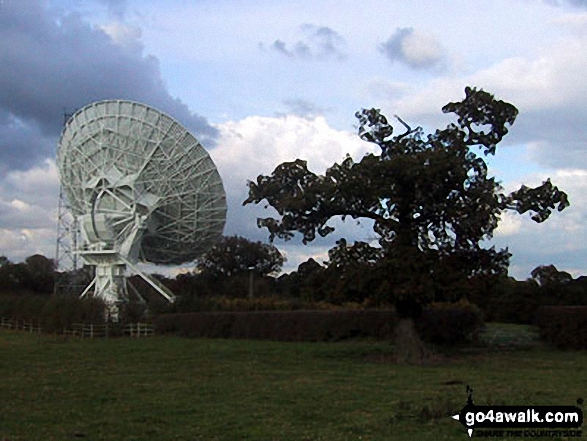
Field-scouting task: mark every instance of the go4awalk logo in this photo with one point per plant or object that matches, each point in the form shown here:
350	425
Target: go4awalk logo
518	421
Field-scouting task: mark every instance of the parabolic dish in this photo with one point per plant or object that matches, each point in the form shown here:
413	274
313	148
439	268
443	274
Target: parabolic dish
140	158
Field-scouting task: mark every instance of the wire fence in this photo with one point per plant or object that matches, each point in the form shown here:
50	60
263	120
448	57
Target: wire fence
83	330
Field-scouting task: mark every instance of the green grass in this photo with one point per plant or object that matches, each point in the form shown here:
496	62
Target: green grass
166	388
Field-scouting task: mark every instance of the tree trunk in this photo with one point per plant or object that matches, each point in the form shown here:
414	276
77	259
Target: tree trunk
410	348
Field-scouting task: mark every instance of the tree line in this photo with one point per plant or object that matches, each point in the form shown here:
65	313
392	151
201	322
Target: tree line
229	268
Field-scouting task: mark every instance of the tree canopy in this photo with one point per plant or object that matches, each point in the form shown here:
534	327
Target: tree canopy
430	197
234	256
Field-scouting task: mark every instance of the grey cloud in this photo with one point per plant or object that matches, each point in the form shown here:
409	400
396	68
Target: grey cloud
302	108
21	144
30	217
551	240
558	136
318	42
329	42
51	62
299	50
392	48
417	50
577	3
116	8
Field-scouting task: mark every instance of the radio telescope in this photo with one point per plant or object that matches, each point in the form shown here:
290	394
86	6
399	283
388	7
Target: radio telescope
142	188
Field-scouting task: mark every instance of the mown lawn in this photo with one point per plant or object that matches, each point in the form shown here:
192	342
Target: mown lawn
167	388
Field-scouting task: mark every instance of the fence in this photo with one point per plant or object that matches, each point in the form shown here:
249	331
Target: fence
19	325
89	331
139	330
83	330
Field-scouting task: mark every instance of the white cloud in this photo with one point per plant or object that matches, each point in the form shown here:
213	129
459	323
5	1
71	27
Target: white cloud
547	86
18	244
575	22
548	77
421	49
297	255
509	225
38	186
28	212
561	240
124	35
256	145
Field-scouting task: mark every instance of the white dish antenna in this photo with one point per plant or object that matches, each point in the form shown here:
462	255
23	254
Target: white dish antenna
143	190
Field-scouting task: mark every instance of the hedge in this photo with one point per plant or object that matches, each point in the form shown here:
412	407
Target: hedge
563	326
281	325
52	313
450	323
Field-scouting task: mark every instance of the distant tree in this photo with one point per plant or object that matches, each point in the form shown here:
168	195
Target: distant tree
359	253
557	287
234	256
36	274
41	272
549	275
430	198
296	284
8	279
309	267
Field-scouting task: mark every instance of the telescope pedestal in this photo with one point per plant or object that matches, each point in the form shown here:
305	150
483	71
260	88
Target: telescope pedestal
110	280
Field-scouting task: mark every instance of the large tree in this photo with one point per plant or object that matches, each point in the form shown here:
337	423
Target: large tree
430	197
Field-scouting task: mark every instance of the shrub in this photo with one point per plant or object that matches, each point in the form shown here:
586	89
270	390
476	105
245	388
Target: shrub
268	303
281	325
52	313
61	312
563	326
24	306
450	323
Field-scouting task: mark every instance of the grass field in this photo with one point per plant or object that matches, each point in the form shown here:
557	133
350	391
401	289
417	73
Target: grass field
167	388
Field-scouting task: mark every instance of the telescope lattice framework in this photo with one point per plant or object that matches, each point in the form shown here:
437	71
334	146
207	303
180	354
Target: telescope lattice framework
143	190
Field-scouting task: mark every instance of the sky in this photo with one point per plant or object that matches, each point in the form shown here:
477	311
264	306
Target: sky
262	82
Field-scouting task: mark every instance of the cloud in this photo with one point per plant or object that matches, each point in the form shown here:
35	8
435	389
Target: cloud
22	243
414	48
574	21
318	42
576	3
385	89
26	185
299	50
509	224
559	240
125	36
28	212
262	143
50	62
116	8
301	108
547	87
